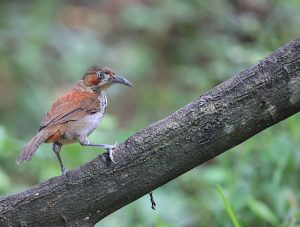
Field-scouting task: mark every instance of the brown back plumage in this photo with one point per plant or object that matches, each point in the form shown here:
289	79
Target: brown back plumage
71	107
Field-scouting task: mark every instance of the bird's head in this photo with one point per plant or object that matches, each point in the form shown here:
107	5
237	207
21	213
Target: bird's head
100	78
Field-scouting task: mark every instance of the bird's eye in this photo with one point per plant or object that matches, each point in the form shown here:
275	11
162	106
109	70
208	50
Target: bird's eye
100	75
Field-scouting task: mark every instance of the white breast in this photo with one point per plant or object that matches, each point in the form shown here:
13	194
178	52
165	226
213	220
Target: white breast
91	121
86	125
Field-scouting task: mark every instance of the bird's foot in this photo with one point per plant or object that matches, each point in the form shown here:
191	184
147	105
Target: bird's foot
64	171
110	151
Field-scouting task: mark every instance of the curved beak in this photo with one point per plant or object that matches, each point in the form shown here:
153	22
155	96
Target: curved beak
120	80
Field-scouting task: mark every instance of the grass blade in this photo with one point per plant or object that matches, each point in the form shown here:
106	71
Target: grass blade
228	207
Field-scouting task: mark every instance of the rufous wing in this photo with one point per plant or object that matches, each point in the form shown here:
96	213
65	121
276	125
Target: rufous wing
71	107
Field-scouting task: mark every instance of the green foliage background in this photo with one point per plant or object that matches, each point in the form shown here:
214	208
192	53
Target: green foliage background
173	51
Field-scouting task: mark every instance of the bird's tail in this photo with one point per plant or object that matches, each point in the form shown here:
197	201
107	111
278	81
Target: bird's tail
28	151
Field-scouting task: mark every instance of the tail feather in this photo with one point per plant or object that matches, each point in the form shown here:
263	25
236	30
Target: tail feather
28	151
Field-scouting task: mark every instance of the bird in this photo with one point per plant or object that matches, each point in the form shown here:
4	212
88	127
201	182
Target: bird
75	115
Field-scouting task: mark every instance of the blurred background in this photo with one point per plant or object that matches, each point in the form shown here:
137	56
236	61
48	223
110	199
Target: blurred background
173	51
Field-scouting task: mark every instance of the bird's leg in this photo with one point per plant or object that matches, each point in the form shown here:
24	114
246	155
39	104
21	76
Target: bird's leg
153	204
56	149
109	148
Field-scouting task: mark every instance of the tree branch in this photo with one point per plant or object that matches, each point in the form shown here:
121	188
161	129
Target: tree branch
232	112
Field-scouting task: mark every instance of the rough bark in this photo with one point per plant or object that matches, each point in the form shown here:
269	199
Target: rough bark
230	113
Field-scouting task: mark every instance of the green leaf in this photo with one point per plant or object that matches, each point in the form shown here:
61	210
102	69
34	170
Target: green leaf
262	210
228	206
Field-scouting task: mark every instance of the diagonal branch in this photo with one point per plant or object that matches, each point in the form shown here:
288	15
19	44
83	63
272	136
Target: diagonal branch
229	114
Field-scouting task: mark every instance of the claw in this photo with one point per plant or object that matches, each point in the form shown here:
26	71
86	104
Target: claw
64	171
110	150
